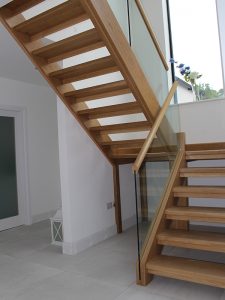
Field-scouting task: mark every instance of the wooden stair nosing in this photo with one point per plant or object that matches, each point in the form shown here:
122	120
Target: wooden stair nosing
150	156
201	240
98	92
111	111
203	272
205	146
203	172
217	192
86	70
196	213
122	128
123	143
18	6
205	154
55	19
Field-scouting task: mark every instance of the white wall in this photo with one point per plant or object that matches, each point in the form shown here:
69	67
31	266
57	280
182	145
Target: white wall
203	121
87	187
127	193
39	104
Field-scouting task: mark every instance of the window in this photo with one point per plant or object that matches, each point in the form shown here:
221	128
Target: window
196	50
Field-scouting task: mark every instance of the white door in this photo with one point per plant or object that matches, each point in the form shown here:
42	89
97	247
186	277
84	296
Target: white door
11	202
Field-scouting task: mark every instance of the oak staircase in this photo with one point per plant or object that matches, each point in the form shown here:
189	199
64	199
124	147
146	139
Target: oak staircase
174	231
36	33
103	34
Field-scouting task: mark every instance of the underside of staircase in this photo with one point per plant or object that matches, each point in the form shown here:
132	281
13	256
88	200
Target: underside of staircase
33	25
187	241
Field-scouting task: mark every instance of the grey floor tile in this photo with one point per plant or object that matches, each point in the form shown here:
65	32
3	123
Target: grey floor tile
16	276
140	293
31	268
69	286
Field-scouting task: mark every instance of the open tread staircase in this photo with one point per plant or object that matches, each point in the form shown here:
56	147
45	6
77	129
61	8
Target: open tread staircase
172	226
48	56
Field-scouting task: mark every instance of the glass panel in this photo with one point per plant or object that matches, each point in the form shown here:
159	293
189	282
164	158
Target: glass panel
196	45
8	182
147	55
142	45
120	11
152	178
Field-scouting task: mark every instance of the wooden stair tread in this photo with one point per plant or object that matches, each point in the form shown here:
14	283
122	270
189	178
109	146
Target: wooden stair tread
124	143
74	45
151	156
205	154
18	6
200	191
122	128
202	172
54	19
110	111
208	273
100	91
196	213
86	70
201	240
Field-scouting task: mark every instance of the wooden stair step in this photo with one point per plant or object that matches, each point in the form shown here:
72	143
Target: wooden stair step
57	18
122	128
149	156
124	143
16	7
98	92
203	272
202	172
205	154
196	213
217	192
111	111
201	240
71	46
86	70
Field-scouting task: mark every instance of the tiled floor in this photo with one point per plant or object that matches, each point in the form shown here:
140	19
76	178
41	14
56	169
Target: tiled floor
30	269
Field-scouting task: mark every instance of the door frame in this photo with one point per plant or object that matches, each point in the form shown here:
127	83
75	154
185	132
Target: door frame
24	217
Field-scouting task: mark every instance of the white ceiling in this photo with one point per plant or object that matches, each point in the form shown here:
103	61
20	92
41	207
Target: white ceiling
14	64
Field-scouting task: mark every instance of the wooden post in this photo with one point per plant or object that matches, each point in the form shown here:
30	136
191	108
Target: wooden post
117	200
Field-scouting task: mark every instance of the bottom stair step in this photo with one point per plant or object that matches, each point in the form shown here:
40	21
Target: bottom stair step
208	273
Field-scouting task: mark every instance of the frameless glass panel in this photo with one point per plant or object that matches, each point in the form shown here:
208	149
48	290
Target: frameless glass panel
142	45
146	53
196	47
152	178
8	181
120	11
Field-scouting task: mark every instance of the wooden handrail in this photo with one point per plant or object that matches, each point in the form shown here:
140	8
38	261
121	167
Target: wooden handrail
152	34
141	156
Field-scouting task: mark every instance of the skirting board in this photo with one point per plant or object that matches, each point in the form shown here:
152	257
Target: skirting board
83	244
